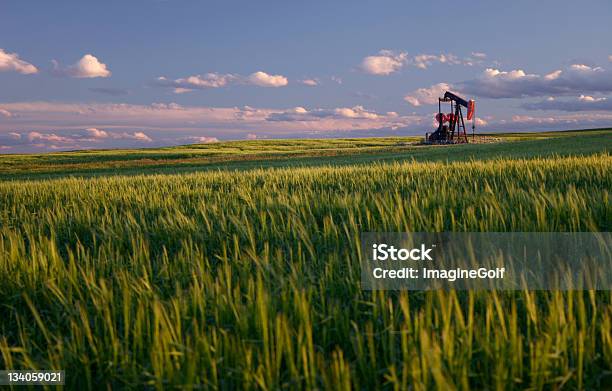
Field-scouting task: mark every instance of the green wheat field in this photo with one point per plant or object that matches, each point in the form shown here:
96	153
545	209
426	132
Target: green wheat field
235	265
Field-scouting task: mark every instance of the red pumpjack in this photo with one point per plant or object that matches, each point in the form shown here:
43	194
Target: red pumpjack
454	132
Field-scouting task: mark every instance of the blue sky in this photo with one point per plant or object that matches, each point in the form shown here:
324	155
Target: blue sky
79	74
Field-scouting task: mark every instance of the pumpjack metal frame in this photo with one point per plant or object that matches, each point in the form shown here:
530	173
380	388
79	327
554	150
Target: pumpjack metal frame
455	132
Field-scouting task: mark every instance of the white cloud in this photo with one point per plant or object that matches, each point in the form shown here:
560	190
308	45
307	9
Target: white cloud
530	120
355	112
423	61
588	98
310	82
412	100
12	62
219	80
67	140
480	122
202	139
427	96
295	114
140	136
263	79
582	103
251	136
576	79
5	113
197	82
610	58
166	106
209	80
571	119
37	136
479	55
87	67
96	133
512	75
585	68
385	63
343	118
553	75
172	121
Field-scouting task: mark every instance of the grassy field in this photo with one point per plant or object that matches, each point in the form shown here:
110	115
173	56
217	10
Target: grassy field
291	153
224	279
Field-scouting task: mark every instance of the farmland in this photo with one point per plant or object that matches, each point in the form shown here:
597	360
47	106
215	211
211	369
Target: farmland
236	265
295	153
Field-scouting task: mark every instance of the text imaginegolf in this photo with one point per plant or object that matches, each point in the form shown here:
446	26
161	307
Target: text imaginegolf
435	274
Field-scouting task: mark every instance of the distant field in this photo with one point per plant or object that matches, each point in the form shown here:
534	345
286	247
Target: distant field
284	153
198	276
